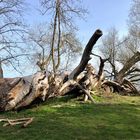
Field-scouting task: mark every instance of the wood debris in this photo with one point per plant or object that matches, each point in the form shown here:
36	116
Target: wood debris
12	122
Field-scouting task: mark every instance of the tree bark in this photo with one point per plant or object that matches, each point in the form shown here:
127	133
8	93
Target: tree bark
1	70
133	60
86	55
17	93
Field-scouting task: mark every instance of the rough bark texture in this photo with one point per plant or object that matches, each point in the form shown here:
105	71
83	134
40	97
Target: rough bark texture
17	93
1	71
86	55
134	59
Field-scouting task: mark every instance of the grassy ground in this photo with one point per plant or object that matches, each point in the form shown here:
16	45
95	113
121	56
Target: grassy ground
112	118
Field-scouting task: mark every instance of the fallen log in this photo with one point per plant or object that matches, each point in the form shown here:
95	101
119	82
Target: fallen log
126	88
20	92
122	73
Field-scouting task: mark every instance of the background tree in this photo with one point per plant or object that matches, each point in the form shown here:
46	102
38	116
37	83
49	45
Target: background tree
11	30
124	53
62	14
111	46
132	45
134	19
40	37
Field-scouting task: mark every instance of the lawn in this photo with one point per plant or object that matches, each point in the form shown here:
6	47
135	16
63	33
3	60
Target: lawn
111	118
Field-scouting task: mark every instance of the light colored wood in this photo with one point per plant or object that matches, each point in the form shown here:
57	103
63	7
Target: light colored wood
28	122
13	122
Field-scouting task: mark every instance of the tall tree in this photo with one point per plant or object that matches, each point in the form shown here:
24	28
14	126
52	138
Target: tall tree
123	57
10	31
134	39
125	53
62	14
40	37
134	19
110	50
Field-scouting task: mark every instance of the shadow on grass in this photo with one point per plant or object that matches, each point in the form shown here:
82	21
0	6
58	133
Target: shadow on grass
76	121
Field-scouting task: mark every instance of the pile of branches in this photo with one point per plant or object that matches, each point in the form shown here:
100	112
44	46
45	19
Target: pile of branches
24	122
16	93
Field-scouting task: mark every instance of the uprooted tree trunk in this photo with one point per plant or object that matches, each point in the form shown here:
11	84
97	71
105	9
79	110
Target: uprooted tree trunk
121	84
20	92
17	93
86	55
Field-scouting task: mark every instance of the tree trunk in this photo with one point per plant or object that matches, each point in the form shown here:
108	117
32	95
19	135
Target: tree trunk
16	93
133	60
21	92
86	55
1	70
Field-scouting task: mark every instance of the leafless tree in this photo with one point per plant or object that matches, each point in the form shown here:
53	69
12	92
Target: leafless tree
40	39
123	57
62	13
133	44
122	51
110	49
134	19
11	30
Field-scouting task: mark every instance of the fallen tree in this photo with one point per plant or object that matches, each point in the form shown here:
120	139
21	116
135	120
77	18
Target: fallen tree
123	72
20	92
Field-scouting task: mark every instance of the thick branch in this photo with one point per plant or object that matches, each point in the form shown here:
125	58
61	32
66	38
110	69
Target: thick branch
86	55
134	59
101	68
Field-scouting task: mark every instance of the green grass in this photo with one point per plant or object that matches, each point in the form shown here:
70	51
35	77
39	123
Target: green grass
112	118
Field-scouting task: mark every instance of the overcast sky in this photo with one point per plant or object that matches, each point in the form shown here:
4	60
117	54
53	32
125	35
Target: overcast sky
103	14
